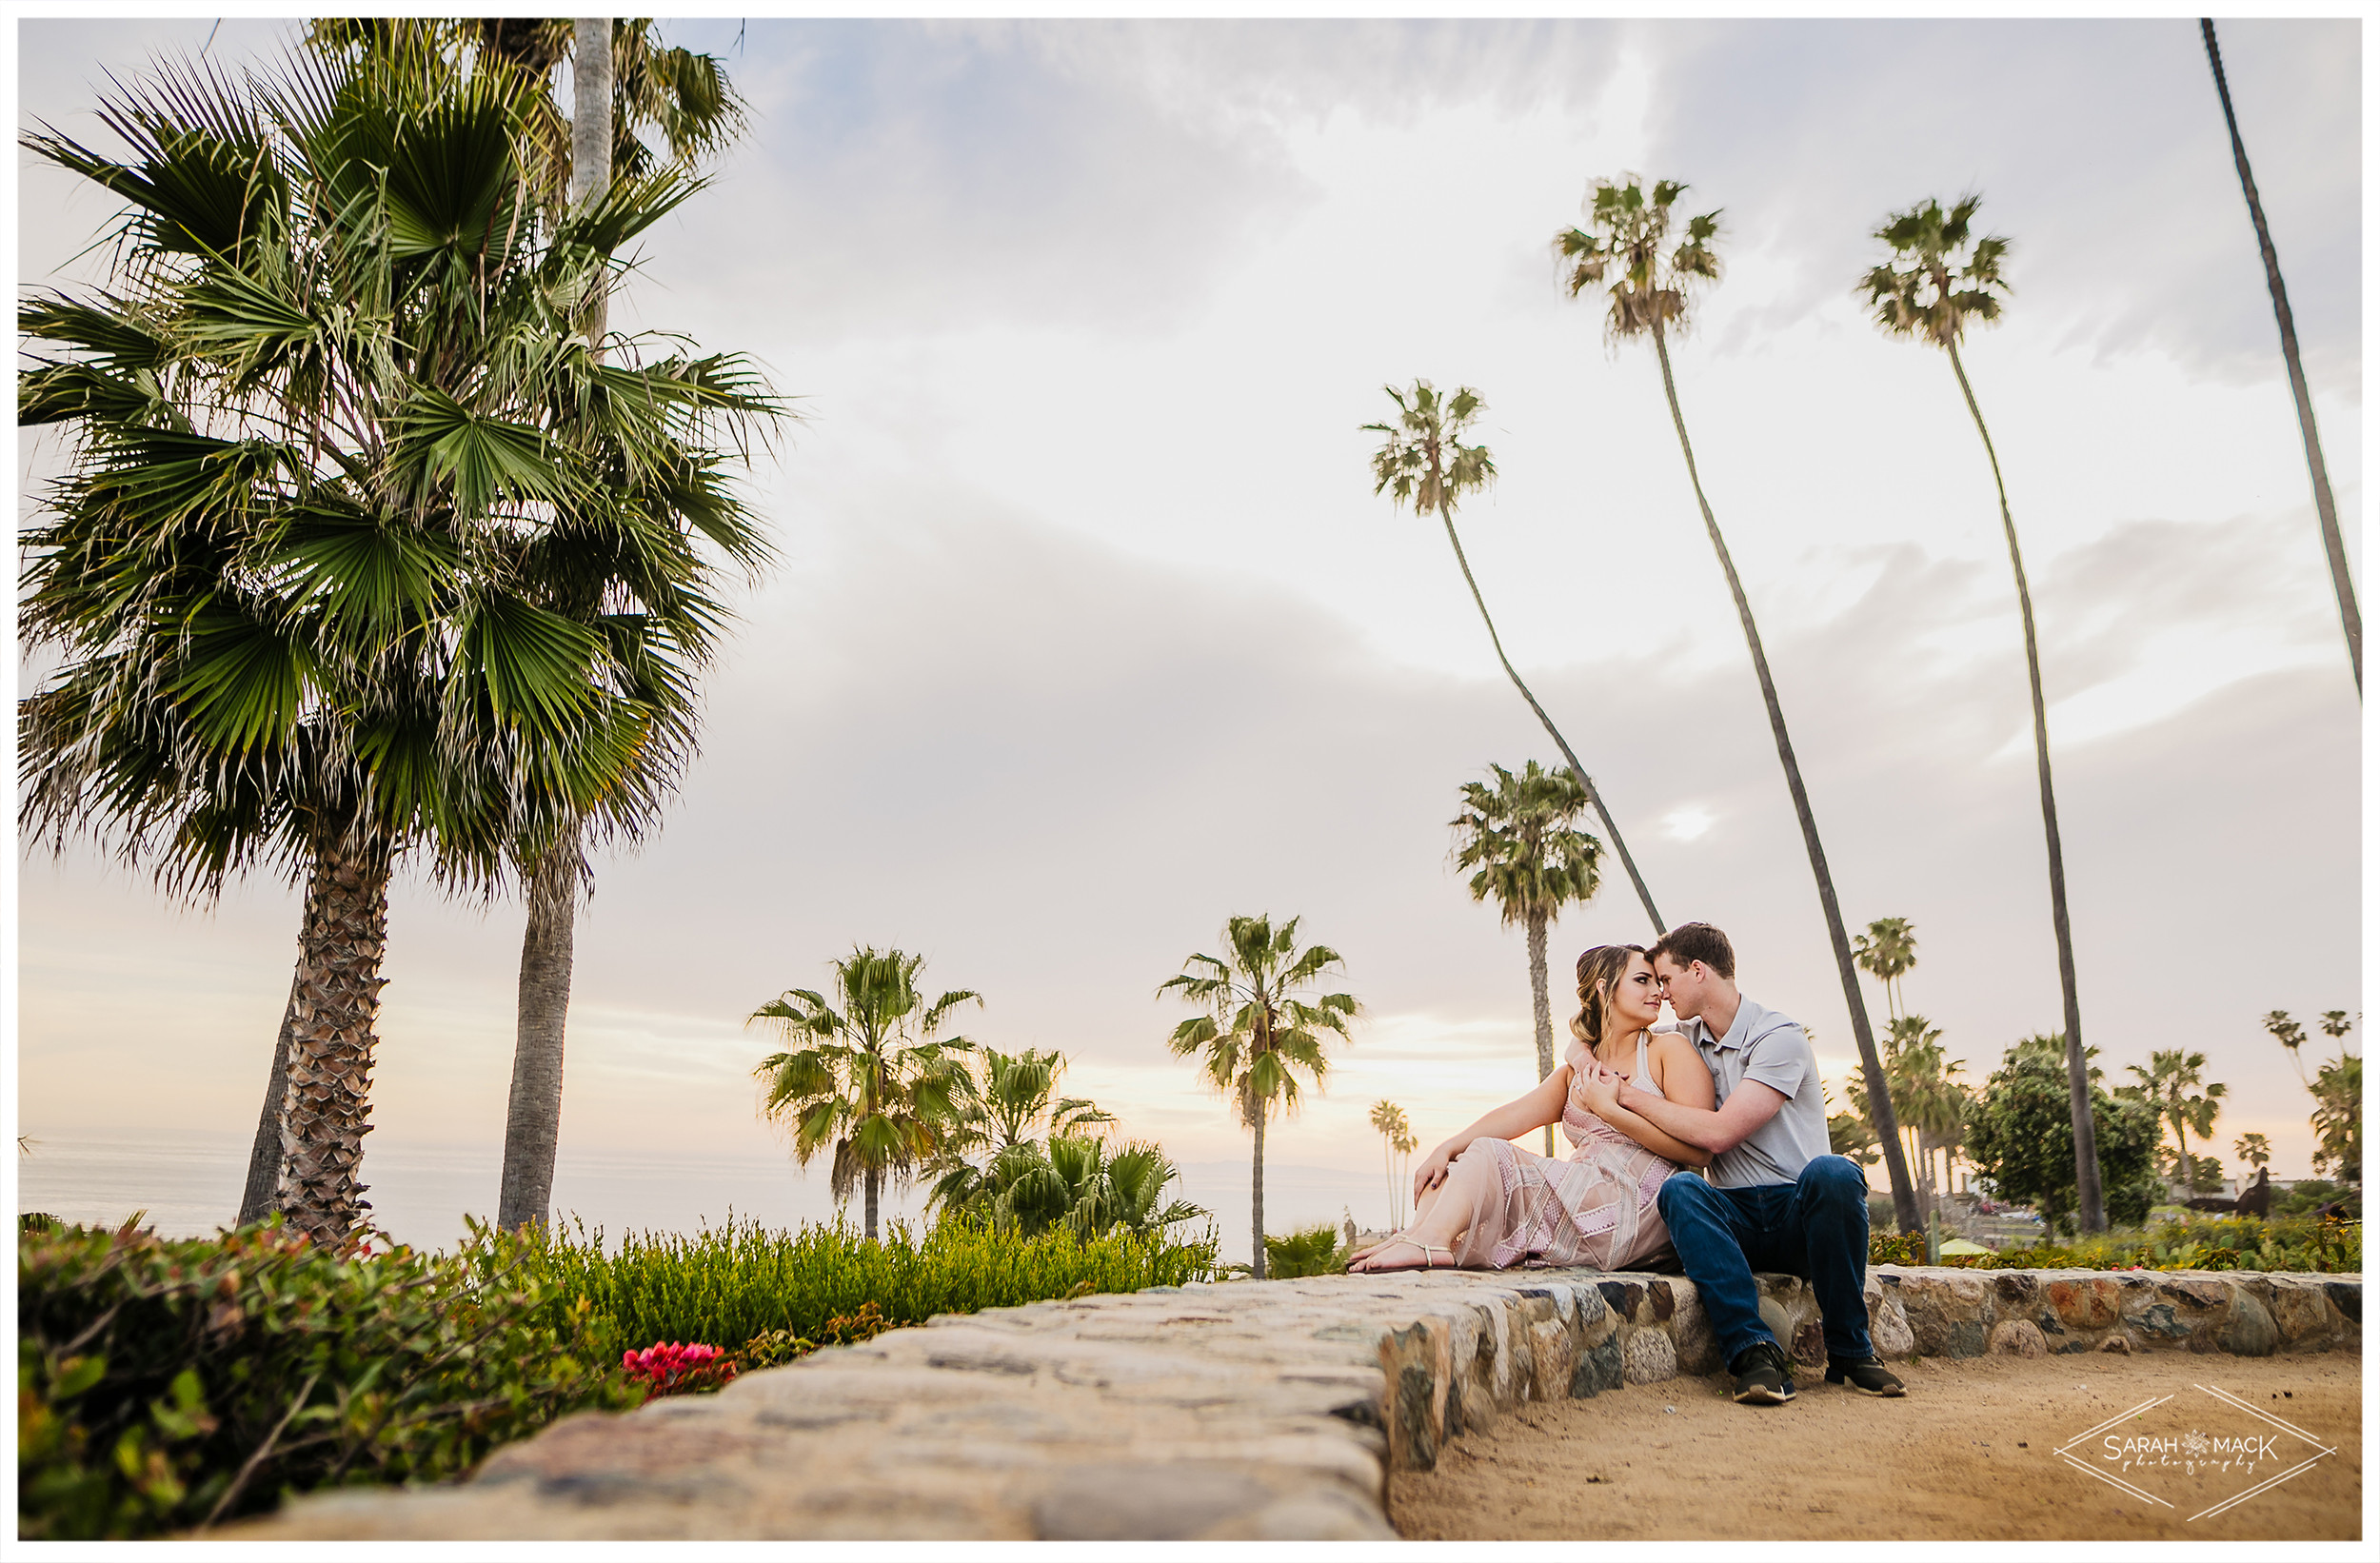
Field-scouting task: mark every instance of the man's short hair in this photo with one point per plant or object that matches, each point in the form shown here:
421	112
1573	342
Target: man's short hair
1691	941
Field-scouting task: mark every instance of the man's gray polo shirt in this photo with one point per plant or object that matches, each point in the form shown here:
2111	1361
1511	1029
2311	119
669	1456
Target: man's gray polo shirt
1765	1046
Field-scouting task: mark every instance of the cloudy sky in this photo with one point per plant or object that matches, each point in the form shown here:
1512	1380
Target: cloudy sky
1090	633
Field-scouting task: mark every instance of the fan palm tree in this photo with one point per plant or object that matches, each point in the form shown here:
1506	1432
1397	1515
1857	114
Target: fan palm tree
2168	1084
1423	463
1015	1099
874	1080
1517	833
2334	545
1259	1031
1940	277
1647	281
1079	1182
1888	952
335	455
633	84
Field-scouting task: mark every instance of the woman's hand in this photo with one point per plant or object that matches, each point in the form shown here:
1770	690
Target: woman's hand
1433	1170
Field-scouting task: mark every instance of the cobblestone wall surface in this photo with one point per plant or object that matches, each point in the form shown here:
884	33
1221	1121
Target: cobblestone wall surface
1255	1410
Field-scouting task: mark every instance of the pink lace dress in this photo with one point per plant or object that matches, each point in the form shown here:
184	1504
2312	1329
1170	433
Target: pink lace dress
1594	1207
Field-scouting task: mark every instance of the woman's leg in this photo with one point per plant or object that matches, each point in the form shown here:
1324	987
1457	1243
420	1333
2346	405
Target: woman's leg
1439	1217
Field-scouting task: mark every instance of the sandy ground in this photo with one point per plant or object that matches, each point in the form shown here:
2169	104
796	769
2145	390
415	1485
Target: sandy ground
1970	1454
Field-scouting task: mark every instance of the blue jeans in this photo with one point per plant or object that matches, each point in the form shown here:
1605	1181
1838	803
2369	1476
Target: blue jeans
1816	1227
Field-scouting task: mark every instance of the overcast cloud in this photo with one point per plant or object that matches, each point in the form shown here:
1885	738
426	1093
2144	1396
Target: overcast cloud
1091	634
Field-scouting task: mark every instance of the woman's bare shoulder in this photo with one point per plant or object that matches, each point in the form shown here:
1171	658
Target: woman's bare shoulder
1674	1054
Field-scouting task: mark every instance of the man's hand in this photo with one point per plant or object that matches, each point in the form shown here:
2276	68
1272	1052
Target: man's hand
1600	1088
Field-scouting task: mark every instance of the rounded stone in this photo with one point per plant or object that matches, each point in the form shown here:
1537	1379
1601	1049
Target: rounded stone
1648	1358
2018	1338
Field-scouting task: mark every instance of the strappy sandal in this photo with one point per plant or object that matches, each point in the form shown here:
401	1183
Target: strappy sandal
1427	1262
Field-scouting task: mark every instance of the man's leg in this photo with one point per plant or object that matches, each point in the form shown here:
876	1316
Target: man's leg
1708	1230
1831	1209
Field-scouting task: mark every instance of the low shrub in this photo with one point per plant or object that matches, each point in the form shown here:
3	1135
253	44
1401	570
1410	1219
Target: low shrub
2230	1242
742	1283
169	1384
1312	1252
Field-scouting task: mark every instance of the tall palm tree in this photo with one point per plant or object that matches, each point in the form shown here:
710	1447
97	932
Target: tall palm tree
333	446
1647	281
1395	1131
874	1080
2335	546
1517	833
1259	1031
624	81
1423	463
2168	1084
1939	277
1888	952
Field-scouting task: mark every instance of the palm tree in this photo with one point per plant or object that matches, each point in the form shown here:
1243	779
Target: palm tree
1939	278
688	96
1647	283
333	448
1395	1131
2166	1084
1016	1099
872	1080
1888	952
2252	1148
1259	1031
1517	833
1423	463
1079	1182
2291	1036
2350	619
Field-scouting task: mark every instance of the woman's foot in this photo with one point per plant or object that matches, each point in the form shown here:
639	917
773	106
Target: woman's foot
1368	1261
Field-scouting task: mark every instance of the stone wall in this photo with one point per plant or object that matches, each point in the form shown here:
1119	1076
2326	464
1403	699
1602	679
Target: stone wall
1270	1410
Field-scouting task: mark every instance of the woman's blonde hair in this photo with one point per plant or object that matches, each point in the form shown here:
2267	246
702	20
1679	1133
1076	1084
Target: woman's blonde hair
1598	970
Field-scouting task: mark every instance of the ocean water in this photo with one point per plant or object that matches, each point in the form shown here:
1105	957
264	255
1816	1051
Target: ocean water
187	1184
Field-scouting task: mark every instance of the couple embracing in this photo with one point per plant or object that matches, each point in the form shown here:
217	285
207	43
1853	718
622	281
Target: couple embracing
1732	1090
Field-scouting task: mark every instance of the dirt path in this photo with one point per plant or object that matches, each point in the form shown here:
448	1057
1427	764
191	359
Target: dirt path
1970	1454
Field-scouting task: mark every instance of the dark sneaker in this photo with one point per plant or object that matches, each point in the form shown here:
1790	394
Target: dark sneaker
1762	1376
1867	1377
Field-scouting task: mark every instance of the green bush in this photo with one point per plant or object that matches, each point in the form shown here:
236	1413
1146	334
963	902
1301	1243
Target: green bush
731	1285
1312	1252
163	1385
2307	1192
2231	1242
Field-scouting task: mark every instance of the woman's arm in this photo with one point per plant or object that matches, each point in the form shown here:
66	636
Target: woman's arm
1515	1118
1688	1086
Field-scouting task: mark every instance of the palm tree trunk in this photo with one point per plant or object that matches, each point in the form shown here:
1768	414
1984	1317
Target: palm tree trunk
263	1155
1595	797
1542	1009
533	1113
2350	619
533	1116
1256	1198
326	1106
2088	1194
1879	1098
873	1182
590	139
1388	1165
